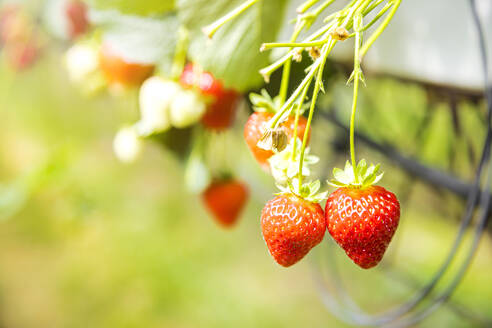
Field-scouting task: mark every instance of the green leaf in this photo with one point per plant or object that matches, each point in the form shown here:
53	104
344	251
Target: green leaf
139	39
136	7
341	176
362	168
233	53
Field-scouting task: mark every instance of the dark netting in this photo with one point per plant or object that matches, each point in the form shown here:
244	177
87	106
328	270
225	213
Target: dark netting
329	277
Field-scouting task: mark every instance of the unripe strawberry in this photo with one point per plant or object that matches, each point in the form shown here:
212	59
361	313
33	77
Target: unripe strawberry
81	61
117	70
155	98
186	109
127	145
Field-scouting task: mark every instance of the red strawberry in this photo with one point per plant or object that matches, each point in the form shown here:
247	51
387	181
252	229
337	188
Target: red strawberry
363	221
76	12
226	199
222	109
120	71
255	128
291	227
22	55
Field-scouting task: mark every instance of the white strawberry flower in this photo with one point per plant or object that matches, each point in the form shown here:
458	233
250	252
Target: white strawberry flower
284	168
127	144
82	62
156	96
187	109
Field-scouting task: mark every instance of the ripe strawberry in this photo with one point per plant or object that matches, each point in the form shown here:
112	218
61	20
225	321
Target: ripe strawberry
362	218
15	25
76	13
120	71
222	108
22	55
225	199
291	227
255	128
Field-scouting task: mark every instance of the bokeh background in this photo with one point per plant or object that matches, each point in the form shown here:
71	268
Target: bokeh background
86	241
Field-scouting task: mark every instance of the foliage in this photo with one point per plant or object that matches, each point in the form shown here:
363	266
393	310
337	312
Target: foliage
136	7
237	44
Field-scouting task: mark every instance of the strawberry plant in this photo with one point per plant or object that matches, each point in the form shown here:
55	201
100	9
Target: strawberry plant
191	59
361	217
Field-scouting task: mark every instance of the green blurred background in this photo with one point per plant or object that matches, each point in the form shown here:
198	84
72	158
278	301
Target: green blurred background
86	241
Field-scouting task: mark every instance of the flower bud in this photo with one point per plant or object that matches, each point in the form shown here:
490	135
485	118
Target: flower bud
297	56
314	52
81	61
273	139
127	145
339	33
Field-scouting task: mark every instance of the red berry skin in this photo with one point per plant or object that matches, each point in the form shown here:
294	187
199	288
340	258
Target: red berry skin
254	130
119	71
221	111
363	222
22	55
225	200
78	23
291	227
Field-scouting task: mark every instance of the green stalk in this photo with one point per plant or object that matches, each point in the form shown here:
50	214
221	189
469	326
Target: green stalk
358	25
284	85
268	70
376	18
212	28
296	122
267	46
180	53
319	80
305	6
321	8
380	29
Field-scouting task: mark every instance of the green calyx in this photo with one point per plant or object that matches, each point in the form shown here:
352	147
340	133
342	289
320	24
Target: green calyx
361	177
308	191
263	102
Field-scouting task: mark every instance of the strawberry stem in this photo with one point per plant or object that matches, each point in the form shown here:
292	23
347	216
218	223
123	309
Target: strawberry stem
380	29
319	80
356	76
210	30
179	60
284	85
296	122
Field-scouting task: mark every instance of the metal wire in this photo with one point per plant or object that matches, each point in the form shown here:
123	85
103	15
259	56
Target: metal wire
345	308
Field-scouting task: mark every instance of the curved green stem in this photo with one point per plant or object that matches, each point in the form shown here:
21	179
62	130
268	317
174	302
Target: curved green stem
180	53
352	126
357	76
210	30
296	122
319	80
268	70
284	85
267	46
380	29
305	6
376	18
